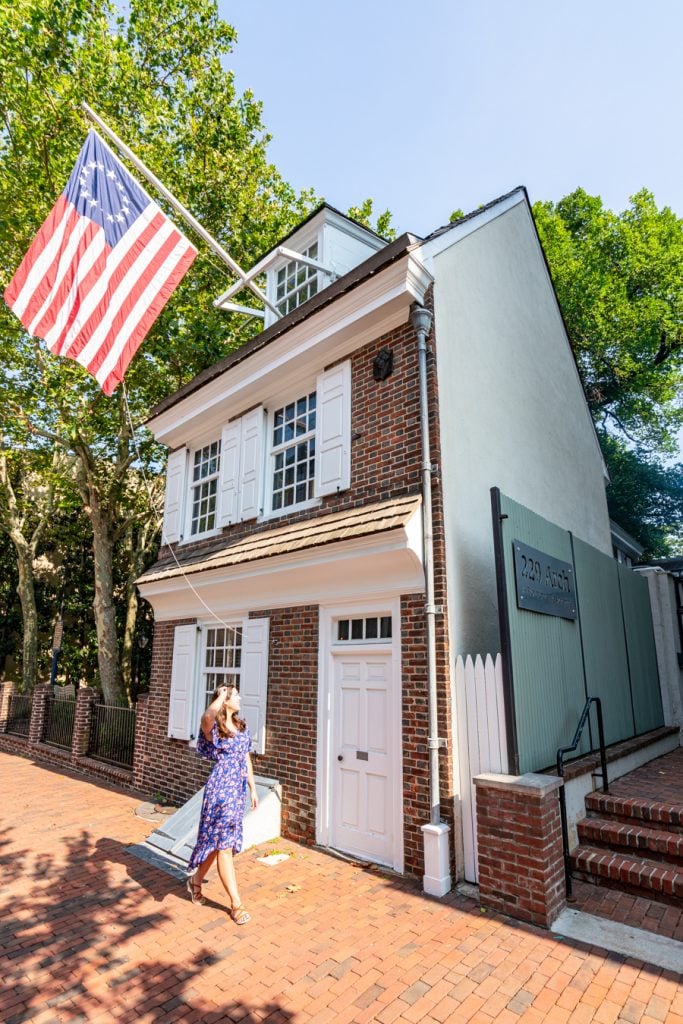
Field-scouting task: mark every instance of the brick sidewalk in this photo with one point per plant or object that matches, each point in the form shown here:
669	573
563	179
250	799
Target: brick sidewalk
90	933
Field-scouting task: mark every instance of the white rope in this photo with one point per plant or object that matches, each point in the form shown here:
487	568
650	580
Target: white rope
164	539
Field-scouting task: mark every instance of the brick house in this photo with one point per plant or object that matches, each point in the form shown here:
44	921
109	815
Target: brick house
327	528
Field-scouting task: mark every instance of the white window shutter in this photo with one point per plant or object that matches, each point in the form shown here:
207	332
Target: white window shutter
254	682
180	726
333	431
231	449
251	468
174	502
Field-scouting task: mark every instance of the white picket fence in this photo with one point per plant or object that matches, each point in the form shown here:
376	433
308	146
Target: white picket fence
482	739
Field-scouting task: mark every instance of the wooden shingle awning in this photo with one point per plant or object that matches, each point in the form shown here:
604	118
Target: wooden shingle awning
353	523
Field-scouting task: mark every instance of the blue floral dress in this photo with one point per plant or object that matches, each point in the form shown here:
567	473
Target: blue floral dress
220	822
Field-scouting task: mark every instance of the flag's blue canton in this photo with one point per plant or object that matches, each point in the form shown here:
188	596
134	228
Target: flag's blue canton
100	188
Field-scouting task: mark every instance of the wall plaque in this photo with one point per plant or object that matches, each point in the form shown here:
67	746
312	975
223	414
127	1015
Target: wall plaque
544	584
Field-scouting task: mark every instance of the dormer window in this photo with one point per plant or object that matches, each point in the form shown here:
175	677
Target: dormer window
325	247
296	282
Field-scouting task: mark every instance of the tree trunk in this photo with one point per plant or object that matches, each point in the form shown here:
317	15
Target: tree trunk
29	613
103	604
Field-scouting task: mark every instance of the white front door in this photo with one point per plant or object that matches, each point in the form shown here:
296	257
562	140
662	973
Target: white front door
364	757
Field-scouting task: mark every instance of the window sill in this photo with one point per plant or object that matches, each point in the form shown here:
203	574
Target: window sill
280	512
197	537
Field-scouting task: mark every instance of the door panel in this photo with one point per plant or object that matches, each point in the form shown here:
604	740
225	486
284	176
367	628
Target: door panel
363	757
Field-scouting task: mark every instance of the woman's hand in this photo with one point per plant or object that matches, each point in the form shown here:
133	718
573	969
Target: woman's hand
254	797
222	695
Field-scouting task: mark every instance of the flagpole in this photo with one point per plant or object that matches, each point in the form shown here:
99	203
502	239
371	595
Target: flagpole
179	208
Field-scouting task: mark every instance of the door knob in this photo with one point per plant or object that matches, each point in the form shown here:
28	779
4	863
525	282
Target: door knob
340	757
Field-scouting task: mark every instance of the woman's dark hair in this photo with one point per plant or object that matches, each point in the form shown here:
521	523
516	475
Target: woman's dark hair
222	717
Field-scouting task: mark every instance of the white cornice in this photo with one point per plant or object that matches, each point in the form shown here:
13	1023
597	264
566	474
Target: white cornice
390	561
375	306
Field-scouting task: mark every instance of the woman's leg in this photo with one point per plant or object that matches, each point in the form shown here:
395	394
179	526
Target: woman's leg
201	872
226	871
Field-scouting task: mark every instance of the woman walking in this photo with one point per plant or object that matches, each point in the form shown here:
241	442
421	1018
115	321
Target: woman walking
225	739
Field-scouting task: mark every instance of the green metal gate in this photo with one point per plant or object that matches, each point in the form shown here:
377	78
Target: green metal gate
601	643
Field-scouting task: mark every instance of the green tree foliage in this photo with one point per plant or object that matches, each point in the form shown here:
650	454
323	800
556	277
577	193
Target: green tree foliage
156	74
645	497
382	226
619	279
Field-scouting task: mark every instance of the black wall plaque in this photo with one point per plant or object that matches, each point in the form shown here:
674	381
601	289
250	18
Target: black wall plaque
544	584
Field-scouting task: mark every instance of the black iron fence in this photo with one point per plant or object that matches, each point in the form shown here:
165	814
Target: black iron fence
19	717
58	728
112	735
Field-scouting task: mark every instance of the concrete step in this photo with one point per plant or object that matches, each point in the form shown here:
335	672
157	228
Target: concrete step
629	873
666	817
634	839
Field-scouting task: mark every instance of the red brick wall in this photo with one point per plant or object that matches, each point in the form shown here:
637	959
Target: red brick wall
291	725
415	721
521	866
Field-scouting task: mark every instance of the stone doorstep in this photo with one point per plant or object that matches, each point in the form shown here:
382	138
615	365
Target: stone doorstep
634	838
637	810
638	875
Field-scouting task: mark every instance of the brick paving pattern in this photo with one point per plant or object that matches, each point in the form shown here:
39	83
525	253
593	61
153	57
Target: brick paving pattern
627	908
661	780
92	934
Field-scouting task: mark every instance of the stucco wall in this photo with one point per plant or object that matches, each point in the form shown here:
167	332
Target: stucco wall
512	412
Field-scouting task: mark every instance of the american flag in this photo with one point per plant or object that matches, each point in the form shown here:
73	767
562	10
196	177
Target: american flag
100	269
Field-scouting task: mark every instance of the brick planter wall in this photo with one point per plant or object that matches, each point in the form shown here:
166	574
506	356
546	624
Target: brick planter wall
76	758
521	867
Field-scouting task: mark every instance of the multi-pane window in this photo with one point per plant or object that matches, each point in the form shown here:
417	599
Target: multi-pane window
222	659
205	469
293	452
296	282
375	628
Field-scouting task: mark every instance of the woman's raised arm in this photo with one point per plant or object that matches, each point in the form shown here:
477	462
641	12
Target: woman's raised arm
209	716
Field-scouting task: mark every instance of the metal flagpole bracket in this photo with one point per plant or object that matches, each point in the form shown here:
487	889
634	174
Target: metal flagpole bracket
180	209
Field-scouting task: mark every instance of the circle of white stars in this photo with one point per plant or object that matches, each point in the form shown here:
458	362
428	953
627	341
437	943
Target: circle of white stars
86	171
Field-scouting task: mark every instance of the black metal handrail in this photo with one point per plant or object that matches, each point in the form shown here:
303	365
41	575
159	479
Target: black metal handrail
560	771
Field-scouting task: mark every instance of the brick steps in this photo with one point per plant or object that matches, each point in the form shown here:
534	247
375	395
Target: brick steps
632	843
632	839
632	810
638	875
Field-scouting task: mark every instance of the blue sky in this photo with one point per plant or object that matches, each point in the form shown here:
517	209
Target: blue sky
433	106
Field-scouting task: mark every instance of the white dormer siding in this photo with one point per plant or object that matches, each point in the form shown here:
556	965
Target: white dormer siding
334	242
264	464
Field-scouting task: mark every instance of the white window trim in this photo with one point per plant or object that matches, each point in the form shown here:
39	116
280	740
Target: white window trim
203	625
197	697
189	489
268	458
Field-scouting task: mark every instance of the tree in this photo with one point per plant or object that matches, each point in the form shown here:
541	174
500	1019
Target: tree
26	505
644	497
168	94
363	214
619	280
